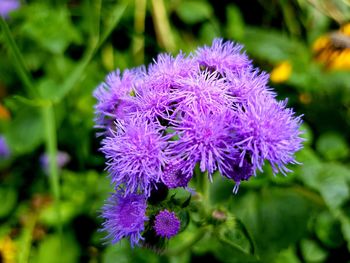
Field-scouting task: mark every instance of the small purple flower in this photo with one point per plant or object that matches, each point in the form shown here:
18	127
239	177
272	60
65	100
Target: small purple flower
173	176
249	84
4	149
124	216
205	91
113	96
267	130
166	224
205	138
62	159
223	57
135	154
166	70
7	6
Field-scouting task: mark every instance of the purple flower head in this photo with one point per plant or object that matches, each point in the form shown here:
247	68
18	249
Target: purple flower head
4	149
267	130
135	154
124	216
173	176
62	159
151	103
166	224
6	6
166	70
249	83
205	138
204	90
113	96
222	57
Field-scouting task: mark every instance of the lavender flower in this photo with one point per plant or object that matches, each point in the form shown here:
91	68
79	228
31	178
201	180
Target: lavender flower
166	70
205	138
7	6
204	90
124	216
113	97
166	224
267	130
4	149
62	159
223	57
136	154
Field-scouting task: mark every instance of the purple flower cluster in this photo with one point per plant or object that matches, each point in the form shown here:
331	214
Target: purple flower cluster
212	108
7	6
166	224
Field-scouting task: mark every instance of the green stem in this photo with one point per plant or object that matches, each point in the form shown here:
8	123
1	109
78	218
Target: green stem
26	243
162	26
51	150
18	60
139	25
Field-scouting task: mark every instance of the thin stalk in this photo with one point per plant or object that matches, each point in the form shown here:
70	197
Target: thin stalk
27	237
162	25
18	60
51	149
139	26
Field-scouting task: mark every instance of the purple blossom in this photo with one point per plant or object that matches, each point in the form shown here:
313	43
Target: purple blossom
249	84
204	90
62	159
205	138
267	130
4	149
223	57
124	216
135	154
113	96
166	224
7	6
164	73
173	176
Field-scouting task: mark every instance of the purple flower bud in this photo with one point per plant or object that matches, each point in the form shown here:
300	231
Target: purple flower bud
124	216
166	224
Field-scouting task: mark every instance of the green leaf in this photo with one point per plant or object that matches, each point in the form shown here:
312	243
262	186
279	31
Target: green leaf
52	250
327	229
312	252
192	12
8	200
50	28
332	146
26	130
273	45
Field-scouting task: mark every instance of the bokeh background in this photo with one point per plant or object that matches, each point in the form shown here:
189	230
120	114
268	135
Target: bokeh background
54	53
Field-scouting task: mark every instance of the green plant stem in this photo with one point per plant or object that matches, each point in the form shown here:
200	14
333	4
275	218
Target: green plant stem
18	60
51	150
27	236
162	26
139	25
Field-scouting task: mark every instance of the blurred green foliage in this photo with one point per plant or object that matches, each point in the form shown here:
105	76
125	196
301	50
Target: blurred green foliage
63	50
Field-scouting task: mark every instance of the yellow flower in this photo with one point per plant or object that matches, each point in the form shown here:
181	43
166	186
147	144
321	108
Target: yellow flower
281	72
7	250
333	49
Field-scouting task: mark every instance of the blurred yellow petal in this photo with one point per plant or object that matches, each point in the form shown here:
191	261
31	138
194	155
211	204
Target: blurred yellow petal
321	43
7	250
345	29
281	72
342	61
